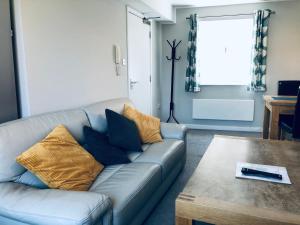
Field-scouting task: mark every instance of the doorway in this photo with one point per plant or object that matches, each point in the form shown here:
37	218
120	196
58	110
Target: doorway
8	87
139	61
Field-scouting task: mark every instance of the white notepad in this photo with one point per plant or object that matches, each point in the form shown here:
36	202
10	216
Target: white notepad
266	168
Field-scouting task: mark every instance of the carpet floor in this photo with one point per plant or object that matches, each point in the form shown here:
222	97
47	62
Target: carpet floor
197	143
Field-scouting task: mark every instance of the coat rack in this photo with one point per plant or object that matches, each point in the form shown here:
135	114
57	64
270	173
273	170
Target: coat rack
173	58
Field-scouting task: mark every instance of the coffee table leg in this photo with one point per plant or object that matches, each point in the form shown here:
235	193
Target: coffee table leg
183	221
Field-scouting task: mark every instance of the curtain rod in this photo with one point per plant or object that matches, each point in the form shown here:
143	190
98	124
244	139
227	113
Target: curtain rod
245	14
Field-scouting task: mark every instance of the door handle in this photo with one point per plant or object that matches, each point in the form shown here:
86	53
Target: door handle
132	83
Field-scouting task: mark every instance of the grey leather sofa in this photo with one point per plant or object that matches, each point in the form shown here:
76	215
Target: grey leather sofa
121	194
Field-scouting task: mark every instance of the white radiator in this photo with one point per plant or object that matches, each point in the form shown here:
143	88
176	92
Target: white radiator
223	109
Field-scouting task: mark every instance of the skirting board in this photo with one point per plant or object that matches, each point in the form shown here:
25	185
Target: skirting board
226	128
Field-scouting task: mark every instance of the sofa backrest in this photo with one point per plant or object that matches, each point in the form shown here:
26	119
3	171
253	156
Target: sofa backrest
96	112
17	136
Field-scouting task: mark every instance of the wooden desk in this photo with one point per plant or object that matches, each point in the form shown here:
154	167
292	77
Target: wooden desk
273	108
213	194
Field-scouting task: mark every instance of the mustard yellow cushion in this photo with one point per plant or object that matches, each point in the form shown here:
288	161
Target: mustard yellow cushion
60	162
148	126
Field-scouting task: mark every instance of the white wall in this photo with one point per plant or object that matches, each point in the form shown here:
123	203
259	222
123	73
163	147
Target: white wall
283	61
206	3
66	52
164	8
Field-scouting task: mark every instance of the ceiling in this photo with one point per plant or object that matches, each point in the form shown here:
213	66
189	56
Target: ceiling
166	9
206	3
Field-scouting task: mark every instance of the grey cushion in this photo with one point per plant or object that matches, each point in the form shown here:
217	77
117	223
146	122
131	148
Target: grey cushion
167	154
30	179
106	174
48	207
17	136
129	188
173	131
146	146
132	155
96	112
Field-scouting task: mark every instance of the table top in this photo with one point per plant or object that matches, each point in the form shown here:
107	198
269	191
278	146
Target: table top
214	182
285	101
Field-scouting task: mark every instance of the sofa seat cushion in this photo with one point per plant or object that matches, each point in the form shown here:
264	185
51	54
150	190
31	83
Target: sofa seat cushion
47	206
132	155
106	174
167	154
129	189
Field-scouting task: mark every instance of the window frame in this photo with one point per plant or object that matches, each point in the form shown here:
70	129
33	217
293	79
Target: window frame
217	18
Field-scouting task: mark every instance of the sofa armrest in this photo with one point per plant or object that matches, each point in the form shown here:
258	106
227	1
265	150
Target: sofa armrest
173	131
50	206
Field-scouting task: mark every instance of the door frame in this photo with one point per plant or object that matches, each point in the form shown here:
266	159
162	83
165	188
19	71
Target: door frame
10	78
14	49
134	12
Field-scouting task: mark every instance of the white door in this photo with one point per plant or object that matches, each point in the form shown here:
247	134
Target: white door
139	61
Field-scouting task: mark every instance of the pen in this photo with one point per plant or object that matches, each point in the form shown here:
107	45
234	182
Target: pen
259	173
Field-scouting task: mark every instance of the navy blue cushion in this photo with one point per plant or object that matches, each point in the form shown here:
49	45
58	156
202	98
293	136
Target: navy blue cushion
98	145
122	132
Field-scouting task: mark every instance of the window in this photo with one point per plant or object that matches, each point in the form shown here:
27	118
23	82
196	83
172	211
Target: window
224	51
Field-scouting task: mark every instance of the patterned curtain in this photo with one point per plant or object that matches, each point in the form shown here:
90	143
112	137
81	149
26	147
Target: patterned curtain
261	28
192	78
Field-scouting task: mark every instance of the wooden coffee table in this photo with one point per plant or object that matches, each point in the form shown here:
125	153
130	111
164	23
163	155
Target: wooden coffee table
215	196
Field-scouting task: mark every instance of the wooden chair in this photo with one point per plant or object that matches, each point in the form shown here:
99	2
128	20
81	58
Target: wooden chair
290	124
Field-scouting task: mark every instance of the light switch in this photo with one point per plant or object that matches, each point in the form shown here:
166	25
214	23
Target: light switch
124	62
